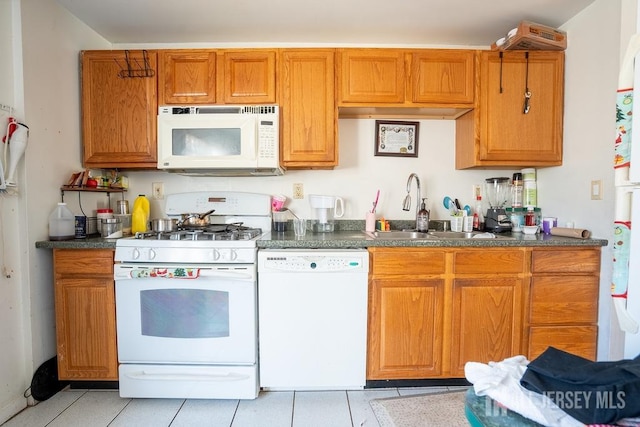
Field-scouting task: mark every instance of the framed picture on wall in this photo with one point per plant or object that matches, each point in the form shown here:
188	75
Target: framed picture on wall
399	139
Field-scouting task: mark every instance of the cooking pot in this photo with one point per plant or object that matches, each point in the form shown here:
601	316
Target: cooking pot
194	219
164	224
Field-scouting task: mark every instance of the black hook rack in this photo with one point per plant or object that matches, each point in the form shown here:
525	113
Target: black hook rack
137	70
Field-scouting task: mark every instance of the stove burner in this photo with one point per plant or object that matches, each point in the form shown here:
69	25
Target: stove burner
221	232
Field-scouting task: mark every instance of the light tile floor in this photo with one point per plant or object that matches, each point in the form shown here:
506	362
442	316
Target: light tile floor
101	408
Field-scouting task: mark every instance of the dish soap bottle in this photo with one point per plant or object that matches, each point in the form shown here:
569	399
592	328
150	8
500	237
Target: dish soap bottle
140	215
422	222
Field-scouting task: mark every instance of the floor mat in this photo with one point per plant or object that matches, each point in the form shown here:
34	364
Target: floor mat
433	410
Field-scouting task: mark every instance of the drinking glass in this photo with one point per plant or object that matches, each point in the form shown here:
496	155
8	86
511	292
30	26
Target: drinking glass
299	226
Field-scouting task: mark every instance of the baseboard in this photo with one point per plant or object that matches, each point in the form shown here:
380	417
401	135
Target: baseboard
105	385
439	382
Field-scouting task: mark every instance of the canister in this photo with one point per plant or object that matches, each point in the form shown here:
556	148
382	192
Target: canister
530	194
111	228
516	215
529	174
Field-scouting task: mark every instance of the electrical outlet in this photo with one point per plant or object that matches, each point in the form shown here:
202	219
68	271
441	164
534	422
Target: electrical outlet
298	191
157	190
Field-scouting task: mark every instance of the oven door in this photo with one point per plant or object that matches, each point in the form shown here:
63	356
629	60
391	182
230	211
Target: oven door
186	314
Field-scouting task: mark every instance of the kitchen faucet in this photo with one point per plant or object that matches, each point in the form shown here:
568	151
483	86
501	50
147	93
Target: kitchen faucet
406	204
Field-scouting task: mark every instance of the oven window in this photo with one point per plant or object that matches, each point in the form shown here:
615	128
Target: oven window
184	313
206	142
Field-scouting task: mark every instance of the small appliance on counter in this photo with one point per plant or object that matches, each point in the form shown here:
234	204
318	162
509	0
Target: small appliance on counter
325	209
497	191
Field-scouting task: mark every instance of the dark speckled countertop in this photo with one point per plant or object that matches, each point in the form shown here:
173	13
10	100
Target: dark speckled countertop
349	234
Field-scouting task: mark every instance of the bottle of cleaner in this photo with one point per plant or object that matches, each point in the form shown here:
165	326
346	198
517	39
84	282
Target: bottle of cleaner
140	215
422	223
478	224
62	224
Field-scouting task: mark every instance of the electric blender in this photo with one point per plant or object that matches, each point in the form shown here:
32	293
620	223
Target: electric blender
497	191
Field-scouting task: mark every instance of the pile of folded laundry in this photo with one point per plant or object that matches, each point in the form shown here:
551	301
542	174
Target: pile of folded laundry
561	389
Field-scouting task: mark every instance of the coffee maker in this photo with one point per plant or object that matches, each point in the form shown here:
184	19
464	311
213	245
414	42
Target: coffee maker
497	191
325	209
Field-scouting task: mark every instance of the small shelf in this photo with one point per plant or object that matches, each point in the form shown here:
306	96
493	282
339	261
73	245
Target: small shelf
107	190
93	189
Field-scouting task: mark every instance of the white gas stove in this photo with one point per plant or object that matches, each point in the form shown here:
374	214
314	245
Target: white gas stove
186	301
238	220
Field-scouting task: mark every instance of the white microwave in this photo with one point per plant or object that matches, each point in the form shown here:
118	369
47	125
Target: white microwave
219	140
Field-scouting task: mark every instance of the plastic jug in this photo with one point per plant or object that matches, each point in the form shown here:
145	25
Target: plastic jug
140	215
62	224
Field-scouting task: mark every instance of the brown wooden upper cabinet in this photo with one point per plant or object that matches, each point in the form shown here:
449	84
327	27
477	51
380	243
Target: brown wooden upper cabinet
308	109
406	78
371	76
204	76
118	114
443	77
501	132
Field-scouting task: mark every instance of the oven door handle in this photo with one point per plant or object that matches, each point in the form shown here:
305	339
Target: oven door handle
182	273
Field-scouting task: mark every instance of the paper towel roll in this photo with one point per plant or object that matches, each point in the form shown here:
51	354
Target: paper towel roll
578	233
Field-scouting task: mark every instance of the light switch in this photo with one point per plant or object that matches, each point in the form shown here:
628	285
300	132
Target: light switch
596	190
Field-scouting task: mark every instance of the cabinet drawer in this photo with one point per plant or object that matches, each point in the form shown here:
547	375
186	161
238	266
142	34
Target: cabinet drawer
407	261
488	261
564	299
578	340
565	261
83	261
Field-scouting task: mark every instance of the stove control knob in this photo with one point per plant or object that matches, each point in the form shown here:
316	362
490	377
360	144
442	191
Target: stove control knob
233	255
135	254
152	254
216	255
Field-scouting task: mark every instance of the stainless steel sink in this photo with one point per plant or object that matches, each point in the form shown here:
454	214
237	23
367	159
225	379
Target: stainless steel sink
399	235
454	234
434	235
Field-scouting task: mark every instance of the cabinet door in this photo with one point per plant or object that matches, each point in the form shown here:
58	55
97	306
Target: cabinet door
486	320
118	114
308	116
85	314
507	134
443	76
405	328
249	77
371	76
187	76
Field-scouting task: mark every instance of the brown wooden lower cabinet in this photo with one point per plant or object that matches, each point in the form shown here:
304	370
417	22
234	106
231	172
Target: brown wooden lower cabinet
563	309
85	314
431	310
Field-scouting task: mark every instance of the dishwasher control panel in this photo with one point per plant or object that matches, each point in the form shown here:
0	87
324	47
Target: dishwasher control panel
312	261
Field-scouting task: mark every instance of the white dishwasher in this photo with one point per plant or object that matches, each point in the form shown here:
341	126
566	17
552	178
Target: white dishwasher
312	318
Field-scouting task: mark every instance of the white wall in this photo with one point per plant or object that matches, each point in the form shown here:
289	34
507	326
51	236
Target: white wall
592	65
15	337
39	47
